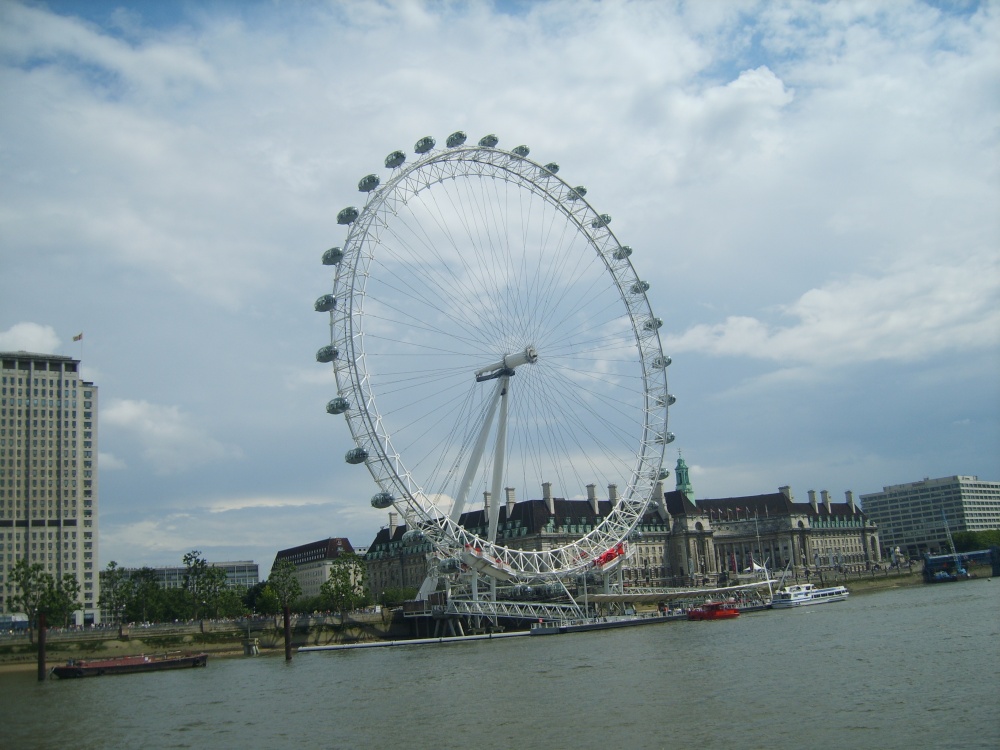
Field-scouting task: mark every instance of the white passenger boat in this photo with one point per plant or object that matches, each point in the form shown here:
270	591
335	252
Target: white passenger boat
801	594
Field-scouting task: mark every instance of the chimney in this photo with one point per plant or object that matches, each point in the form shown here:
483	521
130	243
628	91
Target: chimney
392	525
660	502
613	493
509	491
787	492
826	501
592	497
812	501
850	502
547	497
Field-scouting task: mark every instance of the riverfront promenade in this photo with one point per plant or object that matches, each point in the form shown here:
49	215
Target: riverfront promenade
225	637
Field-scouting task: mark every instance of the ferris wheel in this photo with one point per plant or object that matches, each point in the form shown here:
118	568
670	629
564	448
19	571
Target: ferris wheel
491	341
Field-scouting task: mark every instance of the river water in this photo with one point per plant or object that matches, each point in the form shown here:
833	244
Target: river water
908	668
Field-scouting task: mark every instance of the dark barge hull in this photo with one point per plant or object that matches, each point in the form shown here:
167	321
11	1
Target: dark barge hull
128	665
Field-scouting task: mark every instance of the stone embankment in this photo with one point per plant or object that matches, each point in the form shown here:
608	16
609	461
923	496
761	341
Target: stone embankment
212	636
228	636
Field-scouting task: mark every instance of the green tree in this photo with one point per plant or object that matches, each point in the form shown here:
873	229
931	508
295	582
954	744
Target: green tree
146	596
30	584
345	588
117	589
283	583
267	602
196	581
973	541
394	596
214	589
61	599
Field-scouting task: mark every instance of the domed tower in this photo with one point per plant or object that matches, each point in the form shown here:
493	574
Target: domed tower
683	479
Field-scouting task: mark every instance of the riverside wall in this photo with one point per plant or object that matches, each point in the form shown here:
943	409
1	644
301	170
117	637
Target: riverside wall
212	636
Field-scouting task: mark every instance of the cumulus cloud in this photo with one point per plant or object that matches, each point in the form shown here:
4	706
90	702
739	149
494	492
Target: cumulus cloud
908	314
170	440
29	337
110	462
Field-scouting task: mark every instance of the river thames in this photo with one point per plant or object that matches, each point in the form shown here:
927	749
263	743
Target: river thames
917	667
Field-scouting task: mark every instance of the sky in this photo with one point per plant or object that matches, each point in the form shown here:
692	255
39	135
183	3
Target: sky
812	191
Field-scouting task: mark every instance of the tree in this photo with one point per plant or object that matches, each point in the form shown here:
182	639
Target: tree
61	598
214	589
283	583
117	588
146	596
345	588
30	584
195	580
973	541
267	602
394	595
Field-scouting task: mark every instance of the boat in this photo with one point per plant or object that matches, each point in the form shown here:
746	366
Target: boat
802	594
714	611
554	627
128	665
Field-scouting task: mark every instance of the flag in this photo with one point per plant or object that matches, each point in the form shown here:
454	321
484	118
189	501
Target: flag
78	337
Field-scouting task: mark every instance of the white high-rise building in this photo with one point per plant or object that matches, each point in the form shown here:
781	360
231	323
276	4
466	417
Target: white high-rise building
912	516
48	473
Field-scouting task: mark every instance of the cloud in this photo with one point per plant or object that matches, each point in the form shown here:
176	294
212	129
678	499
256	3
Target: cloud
110	462
170	440
225	505
29	337
911	313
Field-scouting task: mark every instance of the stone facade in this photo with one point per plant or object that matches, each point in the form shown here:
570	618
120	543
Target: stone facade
681	541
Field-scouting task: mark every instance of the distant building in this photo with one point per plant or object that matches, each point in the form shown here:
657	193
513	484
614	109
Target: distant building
680	541
712	538
313	561
530	525
912	516
48	473
242	574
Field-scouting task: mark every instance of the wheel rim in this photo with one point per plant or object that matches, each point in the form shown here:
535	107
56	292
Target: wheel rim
464	259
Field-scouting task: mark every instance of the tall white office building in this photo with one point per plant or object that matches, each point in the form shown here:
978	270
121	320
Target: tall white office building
48	473
913	516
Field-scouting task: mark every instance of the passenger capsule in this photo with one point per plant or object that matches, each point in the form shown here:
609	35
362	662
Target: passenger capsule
635	536
521	151
669	437
368	183
450	565
424	145
653	324
412	536
660	475
578	192
601	221
456	139
337	405
327	354
333	256
357	456
489	141
671	399
347	215
395	159
552	167
381	500
640	287
325	303
661	361
623	252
